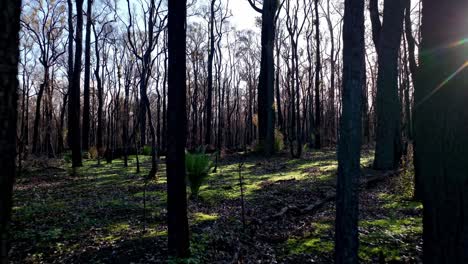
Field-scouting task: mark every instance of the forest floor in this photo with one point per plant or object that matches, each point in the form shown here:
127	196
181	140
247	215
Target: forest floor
99	216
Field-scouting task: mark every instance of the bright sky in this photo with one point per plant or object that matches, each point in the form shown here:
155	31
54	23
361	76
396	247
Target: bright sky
243	15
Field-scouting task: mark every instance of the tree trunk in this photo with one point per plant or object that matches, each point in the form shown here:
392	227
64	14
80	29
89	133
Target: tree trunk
441	129
388	142
87	77
74	94
349	147
266	88
209	98
9	58
318	65
178	230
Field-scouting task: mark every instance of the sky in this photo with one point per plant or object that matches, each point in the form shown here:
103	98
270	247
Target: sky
243	15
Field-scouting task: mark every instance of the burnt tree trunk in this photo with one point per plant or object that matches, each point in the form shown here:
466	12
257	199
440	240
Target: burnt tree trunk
9	58
74	93
349	147
178	230
266	88
87	77
441	130
388	139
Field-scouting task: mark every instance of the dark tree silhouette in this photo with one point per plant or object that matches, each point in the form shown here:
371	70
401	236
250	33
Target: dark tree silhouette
9	57
74	92
349	147
441	130
87	77
178	231
266	112
387	39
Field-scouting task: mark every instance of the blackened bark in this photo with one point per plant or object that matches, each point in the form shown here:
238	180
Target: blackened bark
349	147
87	77
9	58
375	22
441	130
37	116
388	141
266	88
318	66
178	230
209	97
100	94
74	94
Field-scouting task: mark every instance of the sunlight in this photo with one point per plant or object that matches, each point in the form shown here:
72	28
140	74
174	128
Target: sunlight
445	81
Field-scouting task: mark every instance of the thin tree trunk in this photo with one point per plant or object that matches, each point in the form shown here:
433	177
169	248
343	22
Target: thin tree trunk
87	77
74	101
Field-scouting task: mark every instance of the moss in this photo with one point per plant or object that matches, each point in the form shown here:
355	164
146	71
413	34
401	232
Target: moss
309	245
119	227
202	217
383	237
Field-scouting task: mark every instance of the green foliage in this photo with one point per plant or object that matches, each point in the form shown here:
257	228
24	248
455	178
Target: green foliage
67	157
198	166
278	144
146	151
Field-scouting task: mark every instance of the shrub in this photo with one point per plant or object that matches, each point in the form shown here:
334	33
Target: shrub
146	151
279	140
198	166
93	153
67	157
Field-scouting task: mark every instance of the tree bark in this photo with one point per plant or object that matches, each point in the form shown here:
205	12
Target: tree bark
178	230
441	129
318	65
388	142
74	94
9	58
209	97
266	88
349	147
87	77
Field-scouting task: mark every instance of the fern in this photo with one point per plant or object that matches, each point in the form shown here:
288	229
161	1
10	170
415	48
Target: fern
198	166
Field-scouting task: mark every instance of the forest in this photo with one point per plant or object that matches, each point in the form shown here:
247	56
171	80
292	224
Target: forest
233	131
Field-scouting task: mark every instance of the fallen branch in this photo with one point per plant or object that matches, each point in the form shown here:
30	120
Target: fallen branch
300	210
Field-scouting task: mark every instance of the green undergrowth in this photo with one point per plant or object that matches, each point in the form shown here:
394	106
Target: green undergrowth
101	209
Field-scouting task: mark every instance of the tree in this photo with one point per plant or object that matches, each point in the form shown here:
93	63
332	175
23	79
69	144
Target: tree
9	58
178	230
349	147
441	129
209	92
74	92
87	77
266	88
387	39
318	67
44	22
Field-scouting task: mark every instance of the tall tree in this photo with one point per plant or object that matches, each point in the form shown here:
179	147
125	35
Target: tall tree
178	230
209	92
318	68
387	38
349	147
266	88
9	58
74	92
441	130
87	76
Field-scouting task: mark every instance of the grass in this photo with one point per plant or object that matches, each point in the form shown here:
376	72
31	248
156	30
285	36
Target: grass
99	215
